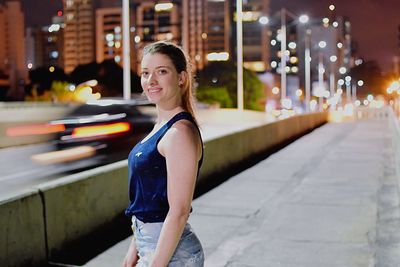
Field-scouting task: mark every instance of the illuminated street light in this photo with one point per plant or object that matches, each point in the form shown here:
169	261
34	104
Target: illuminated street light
264	20
332	7
126	51
360	83
239	48
304	19
342	70
322	44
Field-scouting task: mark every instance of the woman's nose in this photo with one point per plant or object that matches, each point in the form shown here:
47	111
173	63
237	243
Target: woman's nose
151	79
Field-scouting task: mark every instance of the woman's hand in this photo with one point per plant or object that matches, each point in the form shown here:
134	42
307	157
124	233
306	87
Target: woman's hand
131	257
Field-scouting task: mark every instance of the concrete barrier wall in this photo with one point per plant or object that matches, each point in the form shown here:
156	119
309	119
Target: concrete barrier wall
77	205
22	231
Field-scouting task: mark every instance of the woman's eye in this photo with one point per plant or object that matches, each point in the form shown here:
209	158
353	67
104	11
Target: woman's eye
144	74
162	71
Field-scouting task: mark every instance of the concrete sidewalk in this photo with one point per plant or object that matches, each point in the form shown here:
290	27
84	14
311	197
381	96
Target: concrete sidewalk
328	199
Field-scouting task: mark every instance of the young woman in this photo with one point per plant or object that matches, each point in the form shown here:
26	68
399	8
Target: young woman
163	167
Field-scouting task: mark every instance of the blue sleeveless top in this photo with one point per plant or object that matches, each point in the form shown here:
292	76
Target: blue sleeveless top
148	176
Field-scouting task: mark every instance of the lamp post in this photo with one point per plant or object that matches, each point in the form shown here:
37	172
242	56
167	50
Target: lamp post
126	51
348	89
283	54
239	45
307	69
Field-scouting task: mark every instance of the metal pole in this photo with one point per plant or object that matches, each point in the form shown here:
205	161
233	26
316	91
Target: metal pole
348	92
126	50
354	93
239	45
307	62
283	54
320	81
332	79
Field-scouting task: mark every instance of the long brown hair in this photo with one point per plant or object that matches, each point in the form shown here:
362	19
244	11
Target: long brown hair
181	63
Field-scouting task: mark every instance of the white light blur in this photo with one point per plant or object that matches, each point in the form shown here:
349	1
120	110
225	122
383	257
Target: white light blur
339	45
274	64
340	82
342	70
322	44
358	62
304	19
332	7
339	91
273	42
370	98
357	103
325	20
333	58
137	39
109	37
264	20
292	45
275	90
299	92
313	105
360	82
286	103
347	78
365	102
163	7
220	56
295	69
335	24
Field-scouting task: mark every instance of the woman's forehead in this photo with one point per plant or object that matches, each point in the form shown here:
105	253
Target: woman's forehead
155	60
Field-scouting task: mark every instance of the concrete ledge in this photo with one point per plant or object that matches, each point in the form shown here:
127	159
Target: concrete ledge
75	206
79	204
22	231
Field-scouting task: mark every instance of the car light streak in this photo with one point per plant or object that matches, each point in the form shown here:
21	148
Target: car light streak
98	130
66	155
35	129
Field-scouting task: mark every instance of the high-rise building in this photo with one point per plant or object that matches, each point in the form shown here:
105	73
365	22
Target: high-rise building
109	34
255	35
12	47
220	20
155	22
193	31
45	45
79	33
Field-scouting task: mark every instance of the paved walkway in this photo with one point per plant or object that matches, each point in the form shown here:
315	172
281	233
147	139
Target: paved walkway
329	199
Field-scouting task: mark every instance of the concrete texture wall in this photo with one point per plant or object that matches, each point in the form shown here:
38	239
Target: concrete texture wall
68	209
22	231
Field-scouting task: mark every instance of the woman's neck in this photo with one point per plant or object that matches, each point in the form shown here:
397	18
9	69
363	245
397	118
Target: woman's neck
164	115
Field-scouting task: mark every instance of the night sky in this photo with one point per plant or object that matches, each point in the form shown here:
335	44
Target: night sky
374	22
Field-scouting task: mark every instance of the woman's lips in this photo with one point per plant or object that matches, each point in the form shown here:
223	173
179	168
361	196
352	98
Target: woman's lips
154	90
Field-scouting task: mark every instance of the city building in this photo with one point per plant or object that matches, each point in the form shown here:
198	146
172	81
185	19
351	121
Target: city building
45	45
193	31
109	34
156	21
79	47
12	49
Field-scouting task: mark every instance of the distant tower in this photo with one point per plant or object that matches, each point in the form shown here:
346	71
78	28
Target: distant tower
78	33
12	46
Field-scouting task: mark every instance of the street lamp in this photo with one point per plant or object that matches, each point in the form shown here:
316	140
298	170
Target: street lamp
126	50
283	50
239	45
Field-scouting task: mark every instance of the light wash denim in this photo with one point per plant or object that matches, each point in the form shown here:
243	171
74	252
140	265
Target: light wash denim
188	253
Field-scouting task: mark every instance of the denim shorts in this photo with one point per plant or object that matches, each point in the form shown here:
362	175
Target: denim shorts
188	253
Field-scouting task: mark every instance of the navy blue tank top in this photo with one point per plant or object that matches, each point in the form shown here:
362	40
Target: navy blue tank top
148	176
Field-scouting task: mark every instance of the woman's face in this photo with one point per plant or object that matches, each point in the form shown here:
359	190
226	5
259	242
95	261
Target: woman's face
160	80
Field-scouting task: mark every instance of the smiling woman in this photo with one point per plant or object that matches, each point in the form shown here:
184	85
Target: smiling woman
164	166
